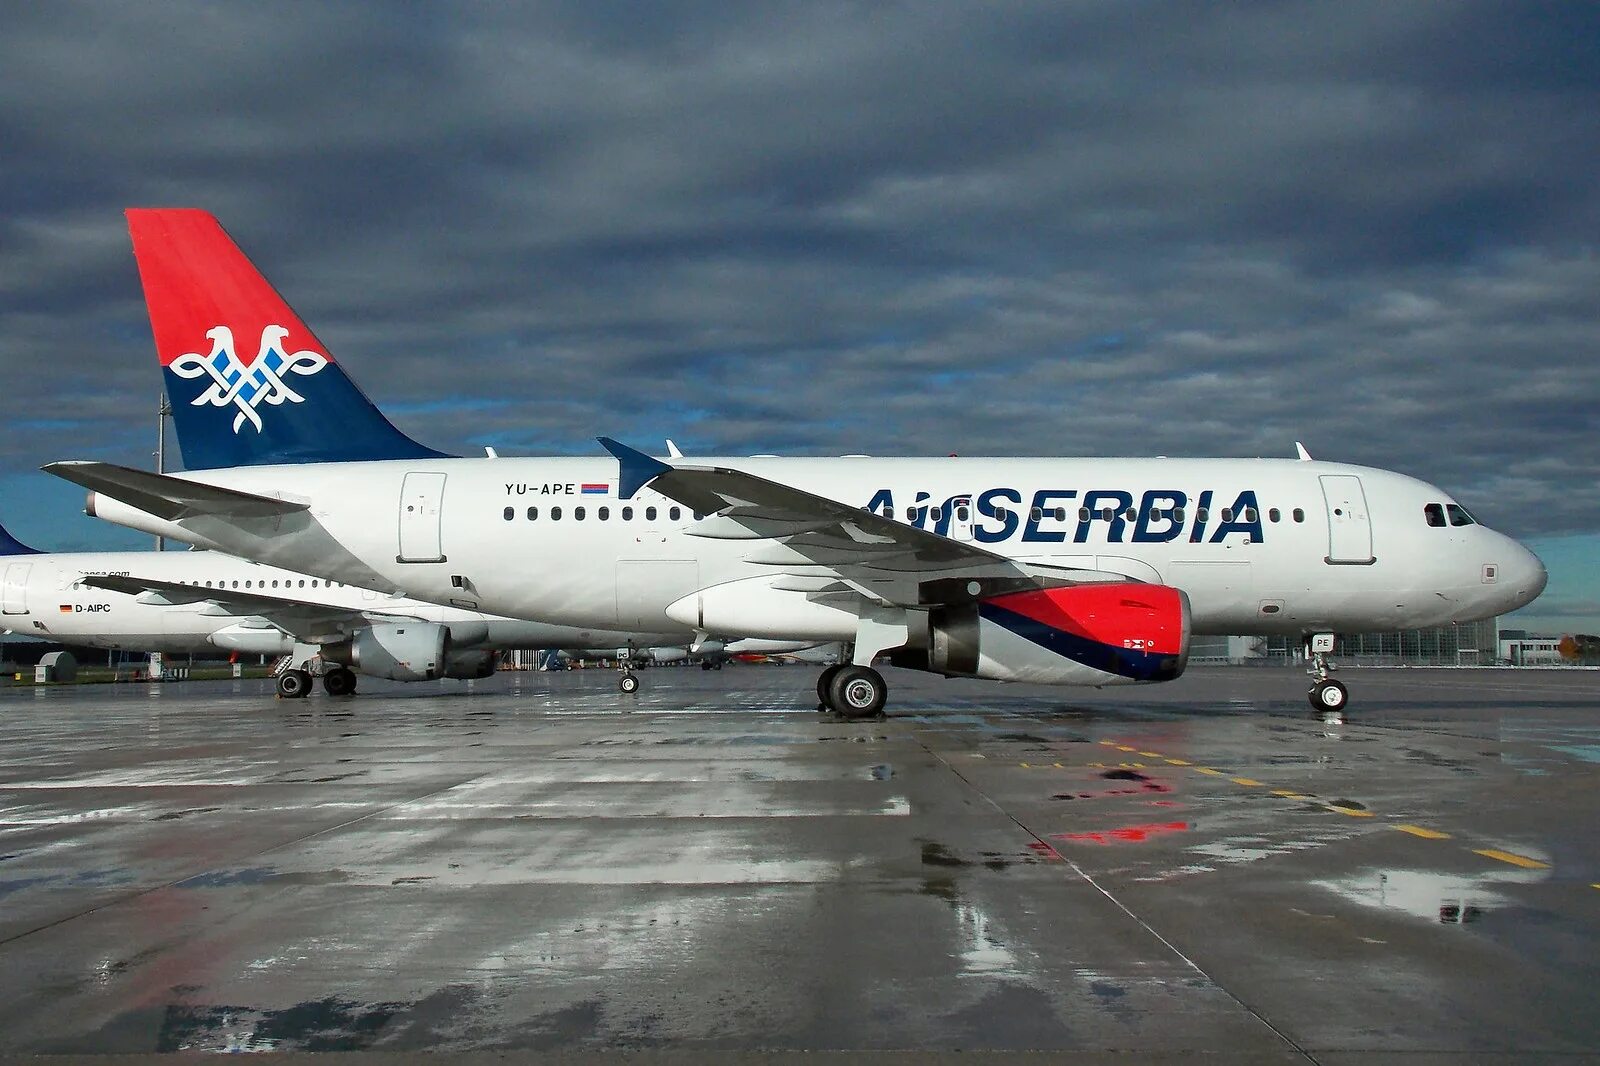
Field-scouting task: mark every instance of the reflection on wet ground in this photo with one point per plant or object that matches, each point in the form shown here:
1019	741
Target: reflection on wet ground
536	863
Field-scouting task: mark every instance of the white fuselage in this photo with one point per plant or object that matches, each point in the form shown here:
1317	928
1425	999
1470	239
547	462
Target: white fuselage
1259	546
43	595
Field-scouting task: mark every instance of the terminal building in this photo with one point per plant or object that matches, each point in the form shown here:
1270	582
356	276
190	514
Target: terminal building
1467	644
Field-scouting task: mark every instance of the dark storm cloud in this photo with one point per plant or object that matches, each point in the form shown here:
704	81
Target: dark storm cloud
894	228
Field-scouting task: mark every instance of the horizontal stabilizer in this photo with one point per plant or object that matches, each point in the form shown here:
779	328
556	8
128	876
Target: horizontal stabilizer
168	497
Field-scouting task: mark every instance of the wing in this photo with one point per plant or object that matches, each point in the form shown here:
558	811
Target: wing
171	498
808	534
304	620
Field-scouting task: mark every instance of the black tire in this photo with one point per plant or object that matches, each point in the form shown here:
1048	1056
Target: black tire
705	666
294	684
1329	695
824	683
628	683
857	692
340	682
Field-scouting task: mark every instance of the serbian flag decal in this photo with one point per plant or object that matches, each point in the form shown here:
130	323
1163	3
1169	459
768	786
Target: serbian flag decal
595	488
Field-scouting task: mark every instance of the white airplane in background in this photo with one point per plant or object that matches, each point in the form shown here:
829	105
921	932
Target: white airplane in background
201	601
1058	571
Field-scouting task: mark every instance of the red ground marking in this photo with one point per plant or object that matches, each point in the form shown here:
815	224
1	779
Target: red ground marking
1128	834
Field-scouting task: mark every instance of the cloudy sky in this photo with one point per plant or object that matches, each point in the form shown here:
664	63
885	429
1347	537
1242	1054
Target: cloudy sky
1020	229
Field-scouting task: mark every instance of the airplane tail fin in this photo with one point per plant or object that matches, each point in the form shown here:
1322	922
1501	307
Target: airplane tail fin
248	382
10	545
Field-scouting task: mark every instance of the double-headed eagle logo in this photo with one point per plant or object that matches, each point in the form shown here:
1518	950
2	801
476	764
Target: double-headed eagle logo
247	385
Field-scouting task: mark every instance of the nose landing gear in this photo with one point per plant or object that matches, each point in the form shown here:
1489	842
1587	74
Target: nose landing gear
1325	694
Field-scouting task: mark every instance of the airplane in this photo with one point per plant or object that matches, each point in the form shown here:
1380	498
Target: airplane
1047	570
711	653
201	601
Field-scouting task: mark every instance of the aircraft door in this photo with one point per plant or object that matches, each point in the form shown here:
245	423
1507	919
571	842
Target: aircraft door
1349	527
421	503
14	598
961	518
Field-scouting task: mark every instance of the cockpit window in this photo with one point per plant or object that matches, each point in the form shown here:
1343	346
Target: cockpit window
1459	516
1435	513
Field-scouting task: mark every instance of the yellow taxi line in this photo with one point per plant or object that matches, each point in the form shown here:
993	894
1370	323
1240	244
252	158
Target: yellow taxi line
1511	857
1425	834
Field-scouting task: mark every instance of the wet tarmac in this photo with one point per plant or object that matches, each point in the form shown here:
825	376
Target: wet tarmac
535	862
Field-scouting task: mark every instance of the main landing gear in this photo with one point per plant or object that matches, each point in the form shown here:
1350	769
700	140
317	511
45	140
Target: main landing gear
1326	694
294	684
854	693
339	682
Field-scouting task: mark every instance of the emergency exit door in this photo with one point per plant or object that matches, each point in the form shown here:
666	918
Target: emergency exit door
14	592
1349	528
421	504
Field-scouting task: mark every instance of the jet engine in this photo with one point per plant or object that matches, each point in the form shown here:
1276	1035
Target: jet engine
1117	633
399	651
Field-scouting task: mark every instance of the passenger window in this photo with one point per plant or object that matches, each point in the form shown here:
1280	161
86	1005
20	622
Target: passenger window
911	514
934	514
1458	515
1435	514
696	515
1061	514
1036	514
1177	515
1274	514
533	513
1251	514
603	514
1130	514
1227	514
675	513
1202	514
511	512
208	584
962	512
577	514
627	514
649	514
1107	514
1299	515
235	584
274	583
302	582
313	582
1083	514
555	514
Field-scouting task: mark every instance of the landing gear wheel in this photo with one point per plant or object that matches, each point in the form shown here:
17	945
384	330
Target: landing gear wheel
857	692
340	682
705	666
1329	695
824	680
628	683
294	684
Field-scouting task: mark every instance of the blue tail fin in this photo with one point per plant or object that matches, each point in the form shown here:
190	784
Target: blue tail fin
10	545
249	383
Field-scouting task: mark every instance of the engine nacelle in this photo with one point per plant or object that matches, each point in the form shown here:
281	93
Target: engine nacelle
1121	633
400	651
468	665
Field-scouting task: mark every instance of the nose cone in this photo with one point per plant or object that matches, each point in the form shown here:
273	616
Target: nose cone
1522	576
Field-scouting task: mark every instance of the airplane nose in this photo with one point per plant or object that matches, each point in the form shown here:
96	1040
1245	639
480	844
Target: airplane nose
1524	577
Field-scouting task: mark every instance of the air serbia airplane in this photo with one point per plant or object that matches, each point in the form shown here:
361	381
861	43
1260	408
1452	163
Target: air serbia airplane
201	601
1058	571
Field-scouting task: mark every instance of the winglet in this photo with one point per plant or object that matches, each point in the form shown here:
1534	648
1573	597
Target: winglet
672	450
1300	450
635	469
10	545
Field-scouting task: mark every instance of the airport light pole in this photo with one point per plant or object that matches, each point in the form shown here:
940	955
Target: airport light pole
163	411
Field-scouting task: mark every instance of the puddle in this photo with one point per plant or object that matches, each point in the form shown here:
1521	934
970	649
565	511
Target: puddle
1448	899
881	772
